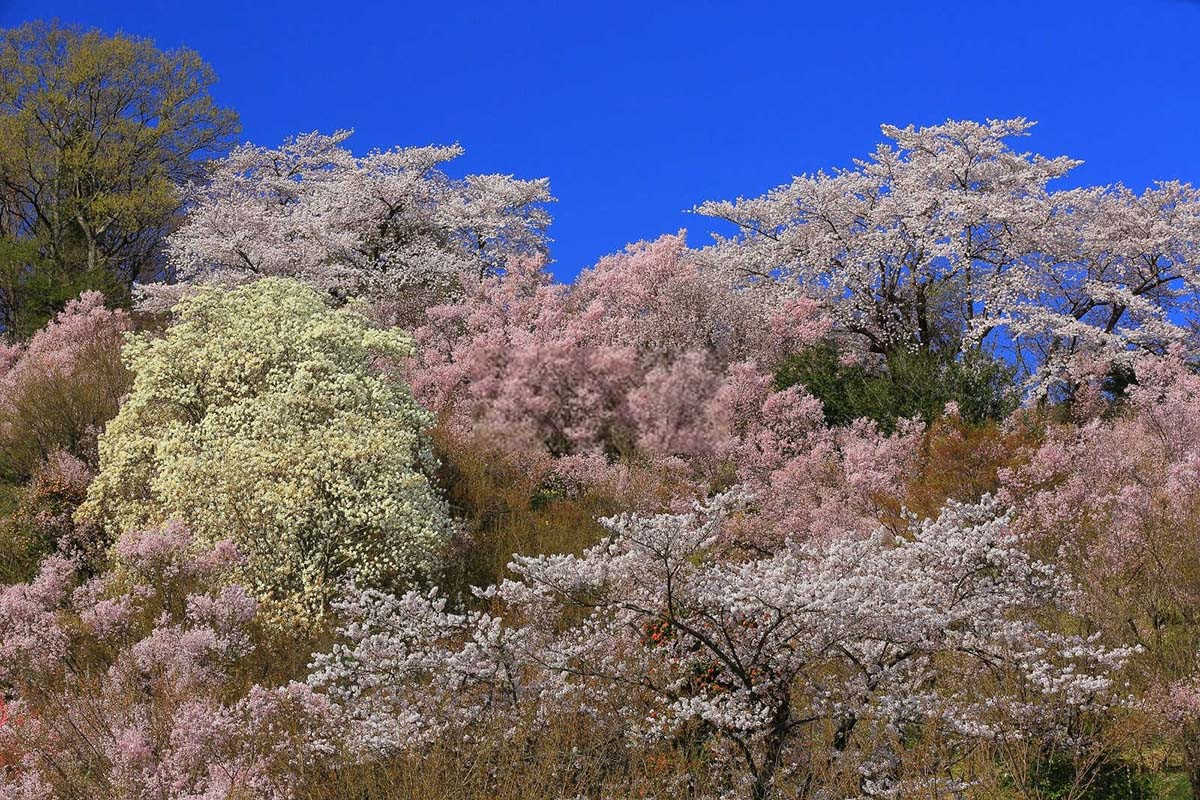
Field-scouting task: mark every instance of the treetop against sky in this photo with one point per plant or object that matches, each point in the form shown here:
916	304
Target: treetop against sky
638	111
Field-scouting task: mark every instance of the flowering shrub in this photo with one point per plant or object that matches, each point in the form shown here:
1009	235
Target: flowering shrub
650	358
847	644
261	416
58	390
42	521
623	362
128	684
809	479
1114	495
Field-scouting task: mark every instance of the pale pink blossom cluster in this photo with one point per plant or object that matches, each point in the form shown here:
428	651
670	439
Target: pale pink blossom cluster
1114	494
852	637
153	717
33	642
811	480
57	488
1104	487
648	354
67	342
58	389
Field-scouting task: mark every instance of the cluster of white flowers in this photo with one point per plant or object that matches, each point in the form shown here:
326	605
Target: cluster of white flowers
389	227
261	417
950	233
856	639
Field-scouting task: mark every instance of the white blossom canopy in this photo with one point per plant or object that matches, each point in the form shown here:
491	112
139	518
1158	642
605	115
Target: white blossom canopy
390	227
950	234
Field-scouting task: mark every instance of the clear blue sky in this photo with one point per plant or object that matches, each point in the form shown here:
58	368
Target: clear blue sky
636	111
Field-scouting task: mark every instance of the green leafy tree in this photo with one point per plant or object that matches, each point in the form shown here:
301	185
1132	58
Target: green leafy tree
97	133
1057	777
905	383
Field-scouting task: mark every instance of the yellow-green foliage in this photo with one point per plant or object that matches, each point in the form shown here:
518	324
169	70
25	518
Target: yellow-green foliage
260	417
97	134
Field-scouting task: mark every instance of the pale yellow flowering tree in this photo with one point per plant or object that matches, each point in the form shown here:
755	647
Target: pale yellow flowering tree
261	416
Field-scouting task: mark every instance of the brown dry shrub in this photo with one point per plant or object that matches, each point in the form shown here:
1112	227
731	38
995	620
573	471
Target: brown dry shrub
566	758
63	403
961	461
39	519
510	502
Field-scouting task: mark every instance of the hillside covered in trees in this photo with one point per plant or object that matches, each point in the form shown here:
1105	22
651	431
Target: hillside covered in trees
316	483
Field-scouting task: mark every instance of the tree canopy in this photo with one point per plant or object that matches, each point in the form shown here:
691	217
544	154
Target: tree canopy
97	133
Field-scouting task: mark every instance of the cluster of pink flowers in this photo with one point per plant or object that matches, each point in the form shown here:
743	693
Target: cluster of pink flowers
649	353
811	480
655	355
148	713
1115	493
58	389
1106	486
67	343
